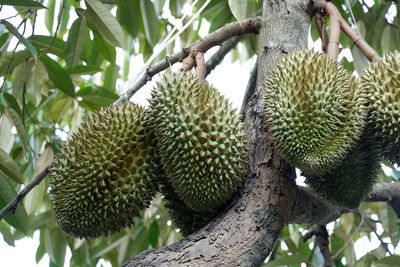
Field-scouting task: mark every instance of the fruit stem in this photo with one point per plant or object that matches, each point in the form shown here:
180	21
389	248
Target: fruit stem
321	30
337	24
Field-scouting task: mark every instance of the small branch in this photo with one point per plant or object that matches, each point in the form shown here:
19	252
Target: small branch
251	86
335	18
365	48
201	68
319	21
308	235
218	56
217	37
370	226
322	240
11	206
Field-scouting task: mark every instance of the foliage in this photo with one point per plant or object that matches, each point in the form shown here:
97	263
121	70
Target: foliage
55	76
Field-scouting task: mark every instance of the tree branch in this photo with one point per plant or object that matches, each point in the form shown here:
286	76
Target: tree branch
218	56
11	206
217	37
322	240
251	86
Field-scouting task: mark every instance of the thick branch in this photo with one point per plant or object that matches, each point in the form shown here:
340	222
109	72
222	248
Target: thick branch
251	25
23	192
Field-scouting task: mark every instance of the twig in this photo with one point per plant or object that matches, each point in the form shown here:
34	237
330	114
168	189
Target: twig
251	25
251	86
226	46
322	240
384	244
335	18
201	68
308	235
11	206
322	31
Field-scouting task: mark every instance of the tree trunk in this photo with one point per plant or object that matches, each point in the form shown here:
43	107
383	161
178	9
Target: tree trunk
245	233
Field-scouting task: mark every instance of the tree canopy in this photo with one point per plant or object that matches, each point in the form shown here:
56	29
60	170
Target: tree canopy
61	60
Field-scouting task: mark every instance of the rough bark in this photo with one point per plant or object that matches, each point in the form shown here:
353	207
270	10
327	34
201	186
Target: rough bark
245	233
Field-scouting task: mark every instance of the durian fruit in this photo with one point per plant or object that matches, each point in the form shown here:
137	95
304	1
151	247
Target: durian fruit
184	218
104	176
200	140
314	109
350	182
382	80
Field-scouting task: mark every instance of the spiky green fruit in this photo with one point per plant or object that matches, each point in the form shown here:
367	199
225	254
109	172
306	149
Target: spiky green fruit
314	109
184	218
382	80
350	182
200	140
104	176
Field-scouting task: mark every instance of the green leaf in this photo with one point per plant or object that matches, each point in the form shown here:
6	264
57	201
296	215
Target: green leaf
105	23
10	167
59	76
42	43
238	8
41	250
35	197
22	4
7	235
96	97
55	245
49	15
21	38
150	21
154	232
390	39
128	15
393	260
20	76
9	61
107	50
287	260
110	76
75	42
6	136
18	123
85	70
19	219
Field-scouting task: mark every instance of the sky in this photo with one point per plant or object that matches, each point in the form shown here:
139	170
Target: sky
231	80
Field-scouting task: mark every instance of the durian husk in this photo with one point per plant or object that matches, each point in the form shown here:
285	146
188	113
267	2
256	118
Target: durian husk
382	80
200	140
349	183
104	175
314	109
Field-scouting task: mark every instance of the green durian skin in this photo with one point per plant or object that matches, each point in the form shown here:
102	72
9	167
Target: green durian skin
349	183
104	175
200	140
184	218
315	110
382	80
